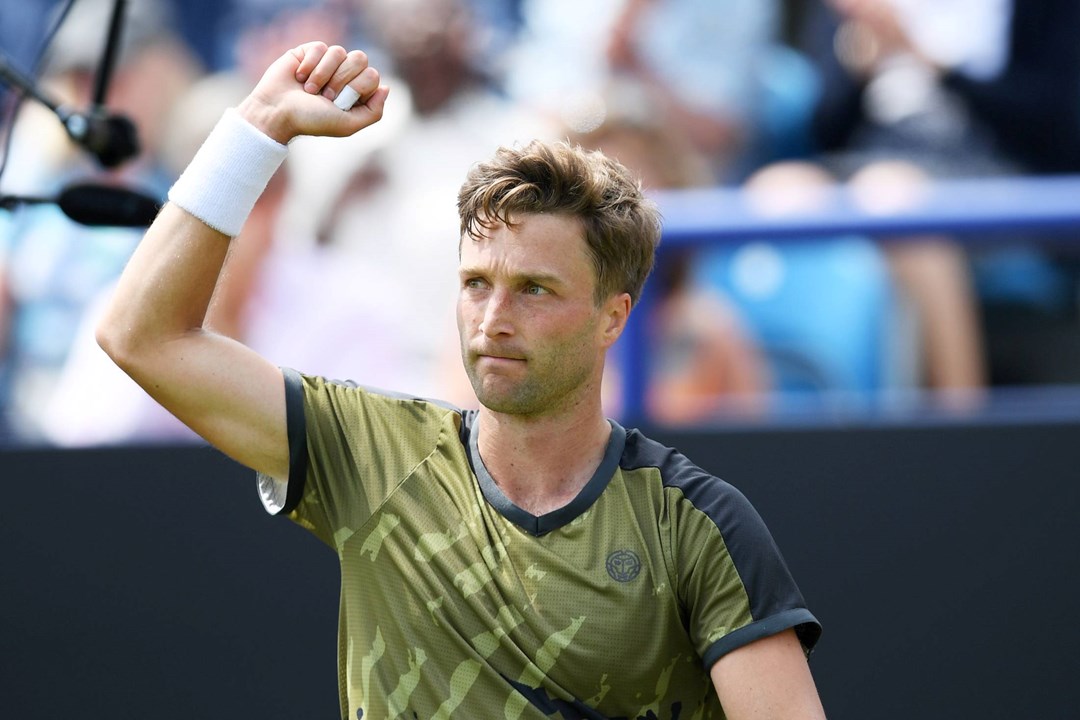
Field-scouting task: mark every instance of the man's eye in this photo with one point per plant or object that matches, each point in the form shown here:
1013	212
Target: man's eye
534	289
473	283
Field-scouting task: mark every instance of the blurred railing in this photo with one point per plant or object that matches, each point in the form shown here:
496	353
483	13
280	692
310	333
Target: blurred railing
977	211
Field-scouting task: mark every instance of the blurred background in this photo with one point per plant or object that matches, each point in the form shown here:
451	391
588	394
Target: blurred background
827	253
865	313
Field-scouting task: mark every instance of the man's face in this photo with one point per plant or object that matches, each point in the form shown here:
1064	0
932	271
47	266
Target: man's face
532	336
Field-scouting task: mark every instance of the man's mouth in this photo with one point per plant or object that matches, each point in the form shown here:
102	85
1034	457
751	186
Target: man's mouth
498	357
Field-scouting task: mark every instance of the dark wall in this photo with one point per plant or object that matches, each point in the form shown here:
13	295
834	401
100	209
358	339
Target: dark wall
941	560
151	584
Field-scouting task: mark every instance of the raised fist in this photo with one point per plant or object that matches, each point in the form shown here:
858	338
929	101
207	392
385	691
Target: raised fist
297	92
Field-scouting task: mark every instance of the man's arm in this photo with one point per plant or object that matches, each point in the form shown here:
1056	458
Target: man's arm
154	328
769	679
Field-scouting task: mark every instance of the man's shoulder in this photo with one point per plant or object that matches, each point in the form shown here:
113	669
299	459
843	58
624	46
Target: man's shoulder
641	452
711	496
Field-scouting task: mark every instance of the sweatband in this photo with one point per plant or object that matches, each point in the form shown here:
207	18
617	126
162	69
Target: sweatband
228	174
347	98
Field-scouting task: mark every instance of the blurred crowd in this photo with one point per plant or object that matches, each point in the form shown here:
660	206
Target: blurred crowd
346	266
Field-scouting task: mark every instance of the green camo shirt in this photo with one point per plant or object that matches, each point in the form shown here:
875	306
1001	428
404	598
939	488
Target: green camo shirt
455	603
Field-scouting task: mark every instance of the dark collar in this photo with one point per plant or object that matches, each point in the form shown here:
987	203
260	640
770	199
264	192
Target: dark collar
543	524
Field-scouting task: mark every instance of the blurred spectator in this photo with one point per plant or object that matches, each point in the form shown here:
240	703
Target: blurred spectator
824	310
703	362
959	87
502	21
706	65
717	72
558	67
934	277
256	32
962	89
51	267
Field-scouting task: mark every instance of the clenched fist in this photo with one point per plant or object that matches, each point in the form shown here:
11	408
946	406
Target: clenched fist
296	94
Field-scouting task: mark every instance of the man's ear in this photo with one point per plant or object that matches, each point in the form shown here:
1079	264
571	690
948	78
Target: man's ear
614	314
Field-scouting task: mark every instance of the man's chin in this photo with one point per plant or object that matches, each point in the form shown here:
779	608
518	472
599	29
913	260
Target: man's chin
510	401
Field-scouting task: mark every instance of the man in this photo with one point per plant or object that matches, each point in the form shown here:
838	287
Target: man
528	560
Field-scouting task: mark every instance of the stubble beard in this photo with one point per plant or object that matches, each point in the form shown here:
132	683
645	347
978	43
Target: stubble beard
534	394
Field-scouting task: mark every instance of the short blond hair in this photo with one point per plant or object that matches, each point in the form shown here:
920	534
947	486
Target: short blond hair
621	225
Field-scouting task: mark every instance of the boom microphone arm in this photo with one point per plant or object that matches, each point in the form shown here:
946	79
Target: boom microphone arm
108	57
111	138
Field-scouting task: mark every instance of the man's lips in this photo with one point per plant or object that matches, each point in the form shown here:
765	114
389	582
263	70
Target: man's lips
498	356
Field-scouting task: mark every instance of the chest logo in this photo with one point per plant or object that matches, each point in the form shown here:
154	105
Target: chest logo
623	565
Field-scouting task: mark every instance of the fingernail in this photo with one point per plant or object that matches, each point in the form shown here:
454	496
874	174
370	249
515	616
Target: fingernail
329	93
301	77
311	87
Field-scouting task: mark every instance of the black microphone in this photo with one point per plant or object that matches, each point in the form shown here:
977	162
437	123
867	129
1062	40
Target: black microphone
91	204
112	139
97	205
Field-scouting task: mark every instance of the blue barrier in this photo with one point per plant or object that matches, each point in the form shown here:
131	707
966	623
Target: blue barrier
967	209
973	211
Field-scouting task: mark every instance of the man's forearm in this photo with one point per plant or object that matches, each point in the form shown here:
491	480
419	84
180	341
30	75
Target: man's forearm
166	288
155	328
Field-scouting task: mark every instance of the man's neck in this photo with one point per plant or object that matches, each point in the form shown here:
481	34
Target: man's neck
541	464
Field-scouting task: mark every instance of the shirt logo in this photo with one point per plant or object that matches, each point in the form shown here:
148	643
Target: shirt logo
623	565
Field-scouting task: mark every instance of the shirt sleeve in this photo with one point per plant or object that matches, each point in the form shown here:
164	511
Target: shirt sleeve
349	447
732	578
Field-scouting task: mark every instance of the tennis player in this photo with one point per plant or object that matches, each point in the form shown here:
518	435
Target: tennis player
532	559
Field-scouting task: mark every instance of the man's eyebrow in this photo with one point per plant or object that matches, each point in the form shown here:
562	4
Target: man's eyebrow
469	271
539	277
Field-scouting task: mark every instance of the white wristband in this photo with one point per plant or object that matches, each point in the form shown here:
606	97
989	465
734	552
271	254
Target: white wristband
228	174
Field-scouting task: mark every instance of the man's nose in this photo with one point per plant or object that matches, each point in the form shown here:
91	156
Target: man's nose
498	314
